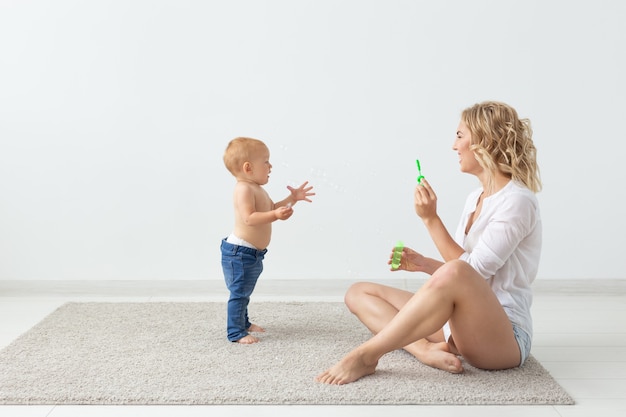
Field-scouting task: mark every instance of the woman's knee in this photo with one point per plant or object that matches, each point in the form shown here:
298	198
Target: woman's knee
451	272
354	295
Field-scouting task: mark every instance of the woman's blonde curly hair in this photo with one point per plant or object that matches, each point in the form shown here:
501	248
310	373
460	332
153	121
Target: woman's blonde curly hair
501	141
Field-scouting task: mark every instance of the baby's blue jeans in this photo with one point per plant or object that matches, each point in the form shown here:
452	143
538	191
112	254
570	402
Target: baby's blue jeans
242	267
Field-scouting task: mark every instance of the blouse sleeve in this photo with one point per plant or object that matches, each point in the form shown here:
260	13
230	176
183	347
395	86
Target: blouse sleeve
510	221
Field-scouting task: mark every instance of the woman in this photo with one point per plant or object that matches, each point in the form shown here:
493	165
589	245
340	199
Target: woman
476	303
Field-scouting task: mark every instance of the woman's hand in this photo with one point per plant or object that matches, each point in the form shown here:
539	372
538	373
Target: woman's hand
425	201
410	261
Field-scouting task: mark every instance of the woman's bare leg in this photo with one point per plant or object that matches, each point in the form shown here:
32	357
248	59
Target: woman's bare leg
375	305
456	292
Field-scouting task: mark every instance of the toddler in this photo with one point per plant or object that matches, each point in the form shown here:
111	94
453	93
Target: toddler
244	250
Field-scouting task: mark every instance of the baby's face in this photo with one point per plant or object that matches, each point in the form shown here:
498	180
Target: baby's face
261	167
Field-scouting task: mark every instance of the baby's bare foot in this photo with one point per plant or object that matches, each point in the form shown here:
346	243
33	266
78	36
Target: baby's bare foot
256	329
248	340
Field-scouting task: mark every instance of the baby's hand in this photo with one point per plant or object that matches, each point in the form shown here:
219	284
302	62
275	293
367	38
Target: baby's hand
284	212
302	192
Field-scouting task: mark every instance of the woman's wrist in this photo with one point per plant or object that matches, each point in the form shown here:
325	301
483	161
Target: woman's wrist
430	221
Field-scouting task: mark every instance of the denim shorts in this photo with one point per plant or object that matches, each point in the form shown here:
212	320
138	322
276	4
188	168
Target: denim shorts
524	341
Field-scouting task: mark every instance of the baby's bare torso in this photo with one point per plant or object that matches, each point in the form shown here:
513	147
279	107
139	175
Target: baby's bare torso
252	198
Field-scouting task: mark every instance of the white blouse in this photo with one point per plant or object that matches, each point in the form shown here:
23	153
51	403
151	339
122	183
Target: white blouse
504	246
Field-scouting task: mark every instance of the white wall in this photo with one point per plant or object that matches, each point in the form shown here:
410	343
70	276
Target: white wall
114	115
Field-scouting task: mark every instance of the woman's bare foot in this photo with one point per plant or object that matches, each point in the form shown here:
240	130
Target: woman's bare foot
248	340
256	329
349	369
437	355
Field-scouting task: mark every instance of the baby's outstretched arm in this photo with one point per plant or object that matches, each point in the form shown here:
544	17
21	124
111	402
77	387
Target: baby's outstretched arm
303	192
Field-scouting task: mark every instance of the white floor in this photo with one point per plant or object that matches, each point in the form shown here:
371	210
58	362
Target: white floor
580	337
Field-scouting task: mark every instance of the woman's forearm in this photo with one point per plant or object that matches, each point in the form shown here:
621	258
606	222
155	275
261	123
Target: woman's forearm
446	246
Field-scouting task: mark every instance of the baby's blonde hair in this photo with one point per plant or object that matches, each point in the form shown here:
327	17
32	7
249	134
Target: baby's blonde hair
240	151
502	141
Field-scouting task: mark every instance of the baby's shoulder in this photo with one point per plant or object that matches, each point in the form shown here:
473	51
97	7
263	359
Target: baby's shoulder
246	188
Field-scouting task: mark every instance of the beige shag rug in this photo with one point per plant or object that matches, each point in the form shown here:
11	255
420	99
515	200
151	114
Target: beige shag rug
177	353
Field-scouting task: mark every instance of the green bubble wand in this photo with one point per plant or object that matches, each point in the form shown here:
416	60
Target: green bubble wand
396	257
419	171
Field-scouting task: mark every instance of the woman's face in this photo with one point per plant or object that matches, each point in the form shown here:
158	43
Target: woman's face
467	160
